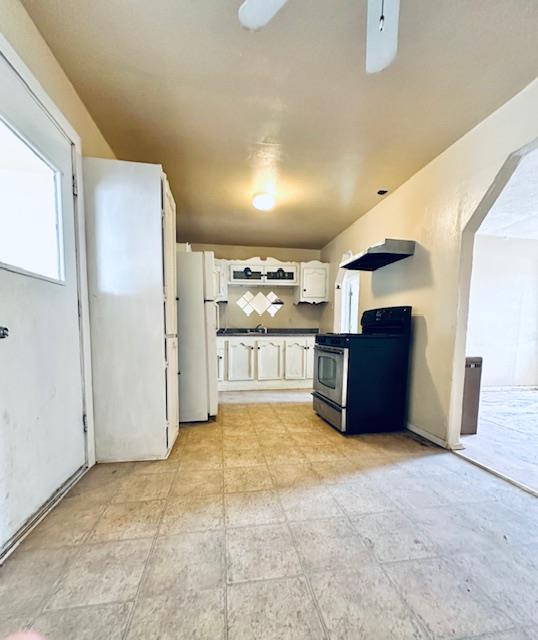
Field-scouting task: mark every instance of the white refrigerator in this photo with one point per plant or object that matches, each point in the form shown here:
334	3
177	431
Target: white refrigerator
197	335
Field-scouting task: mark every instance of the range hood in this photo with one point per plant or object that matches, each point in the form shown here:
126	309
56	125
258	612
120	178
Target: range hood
379	255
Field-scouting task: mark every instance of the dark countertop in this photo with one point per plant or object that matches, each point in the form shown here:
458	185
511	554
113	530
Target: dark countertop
270	332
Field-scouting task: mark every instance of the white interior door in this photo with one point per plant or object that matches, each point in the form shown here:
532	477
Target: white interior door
42	443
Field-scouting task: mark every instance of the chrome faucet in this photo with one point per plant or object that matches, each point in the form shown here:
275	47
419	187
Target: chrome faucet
260	328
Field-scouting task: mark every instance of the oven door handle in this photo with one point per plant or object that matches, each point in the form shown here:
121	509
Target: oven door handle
339	351
331	403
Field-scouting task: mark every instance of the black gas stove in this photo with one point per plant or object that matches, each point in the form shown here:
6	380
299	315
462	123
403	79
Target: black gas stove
360	379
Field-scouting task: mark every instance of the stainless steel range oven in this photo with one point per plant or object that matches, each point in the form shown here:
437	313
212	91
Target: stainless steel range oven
360	380
330	372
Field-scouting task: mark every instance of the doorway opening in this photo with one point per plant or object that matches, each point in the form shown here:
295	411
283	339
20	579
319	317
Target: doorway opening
346	300
502	333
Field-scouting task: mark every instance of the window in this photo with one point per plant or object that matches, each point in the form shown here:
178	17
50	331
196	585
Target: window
30	225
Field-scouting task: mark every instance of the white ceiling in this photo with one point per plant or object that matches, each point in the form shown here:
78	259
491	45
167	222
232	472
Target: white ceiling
226	110
515	212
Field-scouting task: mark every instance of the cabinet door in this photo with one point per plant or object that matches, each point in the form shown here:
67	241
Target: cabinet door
245	273
240	359
221	282
172	389
310	344
221	354
296	359
285	274
169	258
270	359
315	282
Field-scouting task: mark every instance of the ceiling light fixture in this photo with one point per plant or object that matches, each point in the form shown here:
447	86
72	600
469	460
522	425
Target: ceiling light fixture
263	201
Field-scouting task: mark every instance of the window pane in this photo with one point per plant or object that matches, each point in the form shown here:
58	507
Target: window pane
29	223
327	371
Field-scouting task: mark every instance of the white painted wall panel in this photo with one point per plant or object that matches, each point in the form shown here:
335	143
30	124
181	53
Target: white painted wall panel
125	261
503	311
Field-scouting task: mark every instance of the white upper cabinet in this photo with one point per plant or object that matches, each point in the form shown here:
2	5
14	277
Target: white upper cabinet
240	359
247	272
270	359
269	272
221	281
309	279
281	273
314	282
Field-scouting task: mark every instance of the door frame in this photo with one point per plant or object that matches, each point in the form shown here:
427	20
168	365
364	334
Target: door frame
464	288
10	56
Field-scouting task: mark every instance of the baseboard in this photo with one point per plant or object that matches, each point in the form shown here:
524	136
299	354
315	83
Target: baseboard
264	385
10	545
428	436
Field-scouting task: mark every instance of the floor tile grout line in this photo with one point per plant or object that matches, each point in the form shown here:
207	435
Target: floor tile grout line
225	562
130	616
380	564
310	589
322	482
423	623
76	552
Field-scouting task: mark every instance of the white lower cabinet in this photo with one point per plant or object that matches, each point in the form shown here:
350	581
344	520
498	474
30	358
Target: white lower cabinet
310	358
265	362
221	359
270	359
241	359
296	358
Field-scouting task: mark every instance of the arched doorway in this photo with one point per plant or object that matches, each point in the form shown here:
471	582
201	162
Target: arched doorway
492	272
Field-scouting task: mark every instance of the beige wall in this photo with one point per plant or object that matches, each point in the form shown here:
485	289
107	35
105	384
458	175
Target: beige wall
432	208
305	316
22	34
503	310
290	316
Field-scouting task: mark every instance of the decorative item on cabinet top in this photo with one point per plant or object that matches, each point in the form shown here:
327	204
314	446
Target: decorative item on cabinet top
309	279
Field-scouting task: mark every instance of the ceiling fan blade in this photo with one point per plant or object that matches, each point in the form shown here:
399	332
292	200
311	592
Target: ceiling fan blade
255	14
381	34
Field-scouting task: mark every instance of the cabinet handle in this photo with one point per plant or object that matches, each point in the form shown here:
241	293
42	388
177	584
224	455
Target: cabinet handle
304	290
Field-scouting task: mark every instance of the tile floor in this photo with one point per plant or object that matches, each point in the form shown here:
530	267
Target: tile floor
268	524
507	438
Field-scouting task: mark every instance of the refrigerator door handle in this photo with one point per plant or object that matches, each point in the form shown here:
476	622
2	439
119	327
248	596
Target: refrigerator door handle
217	317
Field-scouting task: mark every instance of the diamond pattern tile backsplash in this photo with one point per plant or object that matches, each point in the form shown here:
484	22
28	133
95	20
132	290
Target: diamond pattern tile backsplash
260	303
